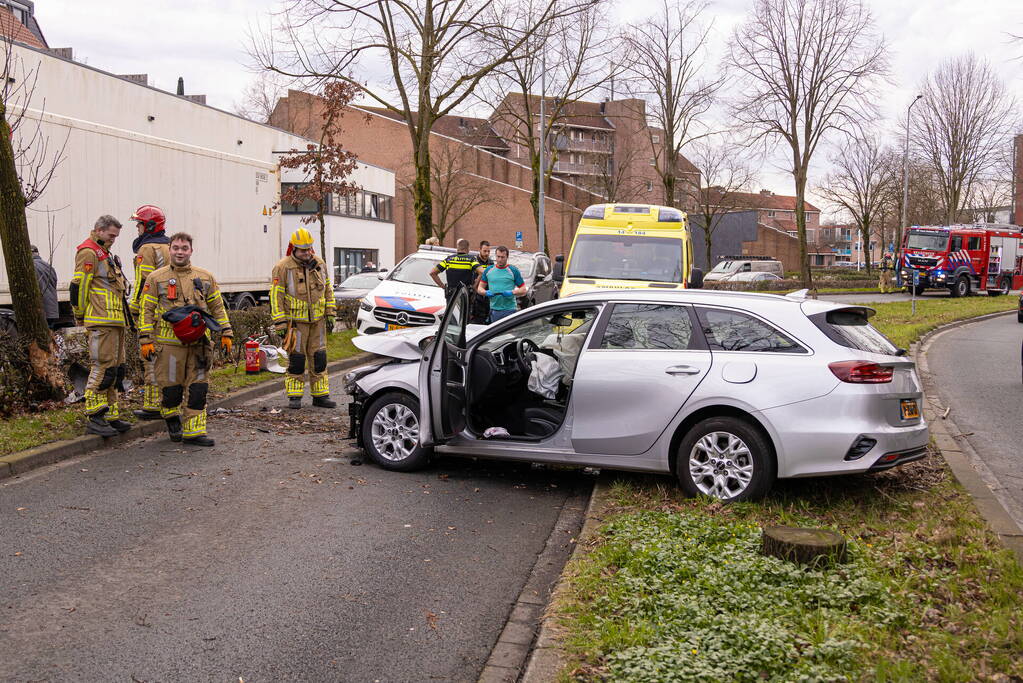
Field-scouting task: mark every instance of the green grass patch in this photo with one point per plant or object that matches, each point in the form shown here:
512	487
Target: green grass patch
675	589
35	429
896	320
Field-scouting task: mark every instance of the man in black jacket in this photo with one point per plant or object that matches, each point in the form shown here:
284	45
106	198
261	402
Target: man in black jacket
47	277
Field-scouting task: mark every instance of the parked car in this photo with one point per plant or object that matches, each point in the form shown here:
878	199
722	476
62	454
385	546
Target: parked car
725	390
751	277
356	286
408	296
730	267
844	264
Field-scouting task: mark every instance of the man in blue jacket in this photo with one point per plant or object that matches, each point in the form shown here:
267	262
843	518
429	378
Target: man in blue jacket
501	283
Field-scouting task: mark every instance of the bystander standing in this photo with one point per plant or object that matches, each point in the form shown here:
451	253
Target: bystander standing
501	283
47	277
480	307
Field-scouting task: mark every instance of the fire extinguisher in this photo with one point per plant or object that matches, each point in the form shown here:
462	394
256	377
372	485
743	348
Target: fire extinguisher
251	356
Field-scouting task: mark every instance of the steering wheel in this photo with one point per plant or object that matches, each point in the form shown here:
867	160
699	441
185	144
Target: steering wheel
524	350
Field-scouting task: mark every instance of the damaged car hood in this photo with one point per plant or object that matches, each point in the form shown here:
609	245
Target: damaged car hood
407	344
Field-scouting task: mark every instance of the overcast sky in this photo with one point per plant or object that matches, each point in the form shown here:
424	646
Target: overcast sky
205	42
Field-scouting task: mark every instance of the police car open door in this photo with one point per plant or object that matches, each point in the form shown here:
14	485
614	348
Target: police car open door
442	378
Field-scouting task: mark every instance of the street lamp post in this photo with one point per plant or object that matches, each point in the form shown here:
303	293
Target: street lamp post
905	203
540	217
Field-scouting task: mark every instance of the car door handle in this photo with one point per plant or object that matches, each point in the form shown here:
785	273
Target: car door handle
683	370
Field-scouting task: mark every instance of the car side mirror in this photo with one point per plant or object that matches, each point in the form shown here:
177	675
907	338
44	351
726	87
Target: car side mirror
559	268
381	274
696	278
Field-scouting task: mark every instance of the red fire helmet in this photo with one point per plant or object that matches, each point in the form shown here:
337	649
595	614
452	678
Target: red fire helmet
151	216
190	328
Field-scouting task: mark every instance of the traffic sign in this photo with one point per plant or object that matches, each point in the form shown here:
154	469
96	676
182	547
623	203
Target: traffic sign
518	239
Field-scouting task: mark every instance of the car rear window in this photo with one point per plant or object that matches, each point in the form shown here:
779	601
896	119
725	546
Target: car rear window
852	329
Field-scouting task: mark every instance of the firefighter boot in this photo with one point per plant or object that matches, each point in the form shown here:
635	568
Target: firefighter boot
295	402
201	440
144	414
120	425
174	427
323	402
98	425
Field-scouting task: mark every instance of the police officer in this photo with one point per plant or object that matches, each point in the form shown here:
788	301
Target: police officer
303	309
97	299
182	356
152	251
460	267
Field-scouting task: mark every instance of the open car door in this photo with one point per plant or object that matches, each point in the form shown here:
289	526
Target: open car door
442	377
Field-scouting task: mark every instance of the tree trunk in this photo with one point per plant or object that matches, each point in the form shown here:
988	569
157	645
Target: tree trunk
804	262
669	189
26	298
707	239
422	197
865	237
323	229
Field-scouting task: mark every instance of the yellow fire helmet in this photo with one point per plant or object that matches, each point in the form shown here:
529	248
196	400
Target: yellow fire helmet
302	239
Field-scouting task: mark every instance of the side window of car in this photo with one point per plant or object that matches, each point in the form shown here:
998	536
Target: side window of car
735	331
973	244
957	243
648	326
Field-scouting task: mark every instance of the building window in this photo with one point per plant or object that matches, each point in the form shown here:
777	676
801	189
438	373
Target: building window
306	206
348	261
770	214
653	162
361	205
649	186
655	138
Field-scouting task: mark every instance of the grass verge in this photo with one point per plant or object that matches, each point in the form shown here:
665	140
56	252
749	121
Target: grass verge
674	589
35	429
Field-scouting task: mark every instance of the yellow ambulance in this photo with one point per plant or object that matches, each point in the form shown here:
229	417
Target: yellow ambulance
629	246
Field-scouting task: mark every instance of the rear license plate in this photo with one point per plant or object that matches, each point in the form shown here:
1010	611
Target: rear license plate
397	327
909	409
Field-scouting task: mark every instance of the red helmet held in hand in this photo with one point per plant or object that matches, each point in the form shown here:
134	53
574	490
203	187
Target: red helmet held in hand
152	217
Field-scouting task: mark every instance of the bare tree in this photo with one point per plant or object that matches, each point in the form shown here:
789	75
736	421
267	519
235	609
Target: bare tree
727	174
259	99
326	165
967	115
437	52
806	68
666	69
860	183
571	57
28	163
457	189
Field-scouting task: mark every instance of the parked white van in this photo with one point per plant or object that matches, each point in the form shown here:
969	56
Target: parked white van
730	266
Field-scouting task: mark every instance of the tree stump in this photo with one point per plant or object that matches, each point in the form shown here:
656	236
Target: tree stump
804	546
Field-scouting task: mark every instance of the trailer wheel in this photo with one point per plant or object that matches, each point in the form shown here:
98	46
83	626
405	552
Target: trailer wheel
961	286
1006	285
243	302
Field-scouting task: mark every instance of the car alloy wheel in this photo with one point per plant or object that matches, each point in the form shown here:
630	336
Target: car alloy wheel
395	431
721	465
727	458
390	433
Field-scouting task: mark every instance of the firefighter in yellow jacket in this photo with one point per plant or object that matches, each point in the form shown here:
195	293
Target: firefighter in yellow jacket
181	308
97	292
152	251
303	309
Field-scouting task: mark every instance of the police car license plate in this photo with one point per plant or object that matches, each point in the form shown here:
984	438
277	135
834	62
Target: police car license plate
396	327
909	409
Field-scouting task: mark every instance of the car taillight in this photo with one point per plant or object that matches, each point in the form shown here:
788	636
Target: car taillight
861	372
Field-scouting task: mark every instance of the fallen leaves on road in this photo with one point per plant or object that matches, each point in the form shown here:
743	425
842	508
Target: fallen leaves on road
431	620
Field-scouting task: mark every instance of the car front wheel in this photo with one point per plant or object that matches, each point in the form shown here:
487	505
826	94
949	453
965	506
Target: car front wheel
390	433
725	458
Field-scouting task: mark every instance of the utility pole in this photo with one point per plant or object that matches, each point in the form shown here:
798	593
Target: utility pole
542	247
905	182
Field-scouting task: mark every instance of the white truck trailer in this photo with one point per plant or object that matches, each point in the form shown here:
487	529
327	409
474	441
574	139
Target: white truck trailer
214	174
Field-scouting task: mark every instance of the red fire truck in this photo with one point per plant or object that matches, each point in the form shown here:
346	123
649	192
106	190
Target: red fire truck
962	258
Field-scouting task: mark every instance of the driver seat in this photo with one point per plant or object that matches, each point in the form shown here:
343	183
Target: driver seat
542	421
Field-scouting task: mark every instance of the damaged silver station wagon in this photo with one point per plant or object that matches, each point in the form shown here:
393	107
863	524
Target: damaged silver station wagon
724	390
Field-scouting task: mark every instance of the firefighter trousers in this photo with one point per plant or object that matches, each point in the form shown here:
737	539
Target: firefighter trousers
106	370
309	357
151	390
885	282
181	375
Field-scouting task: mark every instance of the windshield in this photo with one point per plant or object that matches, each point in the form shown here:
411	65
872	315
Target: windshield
627	257
416	271
931	241
360	282
722	267
524	263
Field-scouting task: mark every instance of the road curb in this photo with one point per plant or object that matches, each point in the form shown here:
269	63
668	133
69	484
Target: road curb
966	465
520	639
23	461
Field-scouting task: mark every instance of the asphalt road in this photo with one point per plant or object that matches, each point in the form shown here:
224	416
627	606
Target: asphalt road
977	372
269	557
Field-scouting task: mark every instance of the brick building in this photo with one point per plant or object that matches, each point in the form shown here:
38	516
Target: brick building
741	233
383	139
607	147
18	23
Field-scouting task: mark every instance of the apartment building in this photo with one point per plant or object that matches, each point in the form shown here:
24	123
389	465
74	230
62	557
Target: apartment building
607	147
